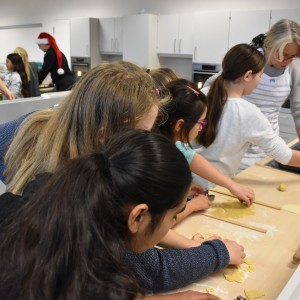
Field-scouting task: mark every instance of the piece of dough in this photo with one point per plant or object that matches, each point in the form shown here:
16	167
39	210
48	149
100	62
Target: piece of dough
254	294
292	208
232	209
236	275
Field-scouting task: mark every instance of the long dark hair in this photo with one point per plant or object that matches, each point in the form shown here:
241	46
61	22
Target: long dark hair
67	241
19	67
188	103
237	62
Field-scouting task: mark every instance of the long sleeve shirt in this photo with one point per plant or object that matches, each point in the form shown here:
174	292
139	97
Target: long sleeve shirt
160	270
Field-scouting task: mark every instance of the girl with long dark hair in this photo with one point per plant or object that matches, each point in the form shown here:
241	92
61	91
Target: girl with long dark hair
233	124
89	231
15	78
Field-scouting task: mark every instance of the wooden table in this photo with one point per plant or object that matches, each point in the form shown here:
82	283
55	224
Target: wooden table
271	252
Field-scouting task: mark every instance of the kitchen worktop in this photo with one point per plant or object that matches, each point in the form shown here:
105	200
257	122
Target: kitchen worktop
270	241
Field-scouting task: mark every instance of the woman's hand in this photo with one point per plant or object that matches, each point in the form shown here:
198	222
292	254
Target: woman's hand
244	193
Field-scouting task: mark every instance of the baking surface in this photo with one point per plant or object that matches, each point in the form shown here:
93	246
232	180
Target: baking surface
270	254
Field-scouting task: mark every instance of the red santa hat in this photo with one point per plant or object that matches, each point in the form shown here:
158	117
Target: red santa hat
45	38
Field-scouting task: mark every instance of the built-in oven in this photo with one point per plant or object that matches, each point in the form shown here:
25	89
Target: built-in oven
80	65
202	71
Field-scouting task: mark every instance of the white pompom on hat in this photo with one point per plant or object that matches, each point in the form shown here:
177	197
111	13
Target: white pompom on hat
45	38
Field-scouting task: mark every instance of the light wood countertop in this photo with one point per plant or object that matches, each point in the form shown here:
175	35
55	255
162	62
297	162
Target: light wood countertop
270	253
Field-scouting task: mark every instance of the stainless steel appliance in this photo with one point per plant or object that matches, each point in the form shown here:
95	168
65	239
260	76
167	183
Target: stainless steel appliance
80	65
202	71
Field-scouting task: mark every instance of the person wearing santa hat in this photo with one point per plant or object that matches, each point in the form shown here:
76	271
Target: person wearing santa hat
54	63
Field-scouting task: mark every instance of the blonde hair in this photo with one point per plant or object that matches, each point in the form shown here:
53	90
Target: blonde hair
108	99
280	34
163	75
23	53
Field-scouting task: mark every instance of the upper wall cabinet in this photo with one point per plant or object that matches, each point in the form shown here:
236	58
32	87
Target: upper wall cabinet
80	37
211	36
84	33
175	35
292	14
111	36
245	25
140	36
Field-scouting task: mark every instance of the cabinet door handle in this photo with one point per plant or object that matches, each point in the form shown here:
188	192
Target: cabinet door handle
179	46
195	53
116	45
112	44
174	46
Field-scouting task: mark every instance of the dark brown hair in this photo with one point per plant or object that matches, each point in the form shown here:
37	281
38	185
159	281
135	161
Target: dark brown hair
19	67
237	62
188	103
68	240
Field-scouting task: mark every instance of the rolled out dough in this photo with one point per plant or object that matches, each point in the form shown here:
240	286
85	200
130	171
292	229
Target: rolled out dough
232	209
292	208
253	294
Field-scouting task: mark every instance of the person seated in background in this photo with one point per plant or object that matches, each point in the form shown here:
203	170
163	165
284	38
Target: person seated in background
31	69
55	63
15	77
81	237
5	91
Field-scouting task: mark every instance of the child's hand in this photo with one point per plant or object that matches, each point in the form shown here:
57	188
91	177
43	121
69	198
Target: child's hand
196	189
243	192
199	202
236	252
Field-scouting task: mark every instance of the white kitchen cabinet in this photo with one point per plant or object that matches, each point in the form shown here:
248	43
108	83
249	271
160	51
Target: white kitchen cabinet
84	38
245	25
211	36
140	37
292	14
111	35
175	35
80	37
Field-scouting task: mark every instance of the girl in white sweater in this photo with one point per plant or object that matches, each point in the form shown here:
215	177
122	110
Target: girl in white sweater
234	123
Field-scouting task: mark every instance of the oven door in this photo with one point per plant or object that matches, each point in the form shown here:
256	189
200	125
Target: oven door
200	77
79	69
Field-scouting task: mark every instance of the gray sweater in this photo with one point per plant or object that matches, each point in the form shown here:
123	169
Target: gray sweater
161	270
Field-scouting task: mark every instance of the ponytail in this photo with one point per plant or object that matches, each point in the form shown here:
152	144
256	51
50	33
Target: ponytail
217	97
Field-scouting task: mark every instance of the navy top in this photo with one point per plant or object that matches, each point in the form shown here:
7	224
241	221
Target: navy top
161	270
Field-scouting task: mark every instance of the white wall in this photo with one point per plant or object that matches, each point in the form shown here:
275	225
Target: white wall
54	16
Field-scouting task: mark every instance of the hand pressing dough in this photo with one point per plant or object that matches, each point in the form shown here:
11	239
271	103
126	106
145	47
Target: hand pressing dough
292	208
253	294
232	209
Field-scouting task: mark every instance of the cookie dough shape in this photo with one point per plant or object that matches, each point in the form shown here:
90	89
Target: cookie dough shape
232	209
238	273
254	294
292	208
